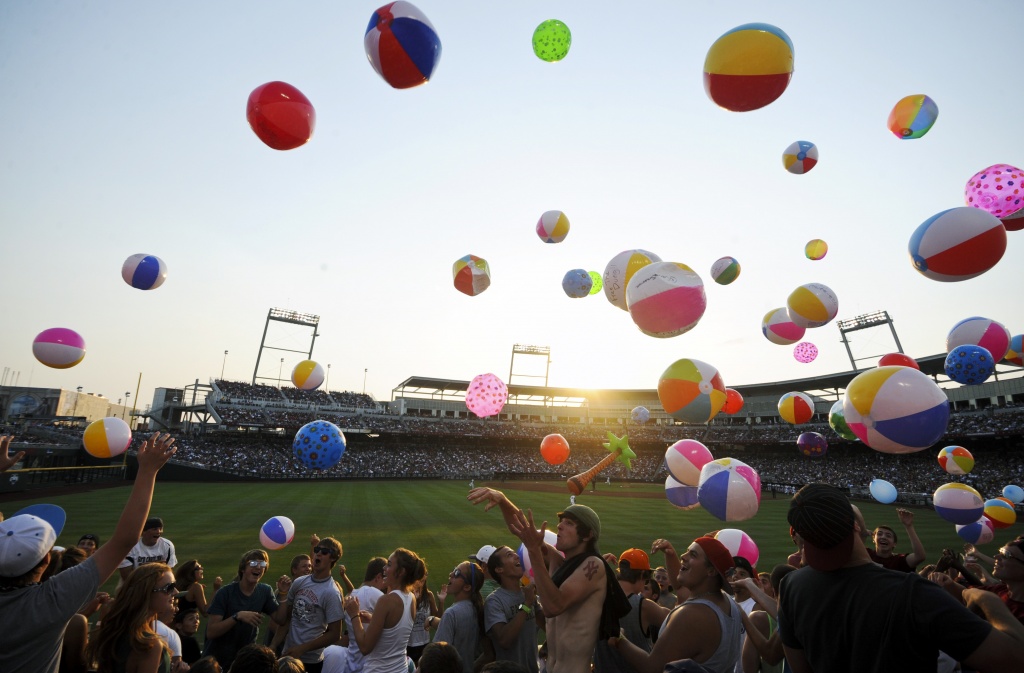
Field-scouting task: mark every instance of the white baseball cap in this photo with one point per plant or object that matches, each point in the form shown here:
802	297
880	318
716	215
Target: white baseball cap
484	554
24	541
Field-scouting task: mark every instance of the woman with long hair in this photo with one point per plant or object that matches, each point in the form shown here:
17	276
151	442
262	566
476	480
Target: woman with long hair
462	624
191	593
125	641
426	611
383	640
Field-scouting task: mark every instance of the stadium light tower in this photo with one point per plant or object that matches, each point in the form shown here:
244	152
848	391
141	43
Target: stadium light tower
542	351
278	316
866	321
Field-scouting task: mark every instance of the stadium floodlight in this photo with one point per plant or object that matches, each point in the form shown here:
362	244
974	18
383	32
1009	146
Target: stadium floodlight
280	315
866	321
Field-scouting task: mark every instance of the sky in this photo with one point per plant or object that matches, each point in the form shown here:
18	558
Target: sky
124	132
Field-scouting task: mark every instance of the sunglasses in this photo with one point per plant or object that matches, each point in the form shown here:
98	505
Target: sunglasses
1006	553
257	564
323	550
457	574
168	589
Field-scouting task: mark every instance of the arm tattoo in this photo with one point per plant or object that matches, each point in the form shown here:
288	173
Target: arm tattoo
590	569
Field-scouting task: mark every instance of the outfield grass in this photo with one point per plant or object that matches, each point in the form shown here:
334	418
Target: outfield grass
216	523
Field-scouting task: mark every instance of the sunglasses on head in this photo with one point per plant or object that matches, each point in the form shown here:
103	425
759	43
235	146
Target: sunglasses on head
168	589
257	564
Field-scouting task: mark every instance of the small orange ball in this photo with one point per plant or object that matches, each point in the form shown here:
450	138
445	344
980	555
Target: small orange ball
554	449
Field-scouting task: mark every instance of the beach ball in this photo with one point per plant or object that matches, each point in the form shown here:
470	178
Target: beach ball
997	189
979	532
486	395
779	329
882	491
1013	493
1014	222
725	270
796	408
107	437
280	115
956	460
812	444
805	352
554	449
680	495
837	422
402	45
800	157
739	544
620	271
685	459
144	272
550	538
958	503
897	360
471	274
913	116
1015	353
812	305
957	244
277	533
308	375
729	489
640	415
665	299
319	445
969	365
1000	513
553	226
989	334
551	40
595	278
896	409
577	283
748	67
691	391
815	249
59	347
733	401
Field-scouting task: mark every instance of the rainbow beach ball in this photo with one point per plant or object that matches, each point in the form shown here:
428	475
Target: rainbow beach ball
979	532
665	299
553	226
471	275
1015	353
308	375
779	329
957	244
977	331
277	533
748	67
896	409
800	157
680	495
796	408
685	459
913	116
729	489
725	270
812	305
107	437
958	503
956	460
59	347
144	272
739	544
691	391
1000	512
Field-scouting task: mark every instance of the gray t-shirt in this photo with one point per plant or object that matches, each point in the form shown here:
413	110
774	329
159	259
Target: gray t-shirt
459	628
315	604
33	619
368	597
501	608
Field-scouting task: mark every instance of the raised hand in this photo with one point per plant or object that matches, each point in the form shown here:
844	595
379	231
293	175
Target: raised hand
156	451
6	461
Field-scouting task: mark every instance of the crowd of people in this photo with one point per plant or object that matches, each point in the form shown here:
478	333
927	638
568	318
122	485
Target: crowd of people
239	393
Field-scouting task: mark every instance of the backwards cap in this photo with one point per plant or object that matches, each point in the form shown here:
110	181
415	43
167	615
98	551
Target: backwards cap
823	517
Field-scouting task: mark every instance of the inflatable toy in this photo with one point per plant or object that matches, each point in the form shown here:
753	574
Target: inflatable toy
665	299
956	460
685	459
969	365
640	414
725	270
837	422
402	45
958	503
486	395
553	226
779	329
691	391
733	401
796	408
550	538
748	67
1000	513
144	272
620	271
989	334
551	40
277	533
800	157
1013	493
812	444
897	360
882	491
577	283
308	375
729	489
812	305
998	189
618	450
913	116
107	437
1015	353
739	544
280	115
979	532
554	449
319	445
805	352
597	282
471	274
680	495
957	244
1014	222
815	249
896	409
59	347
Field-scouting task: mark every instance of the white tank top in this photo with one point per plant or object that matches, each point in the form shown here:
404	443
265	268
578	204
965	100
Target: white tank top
389	654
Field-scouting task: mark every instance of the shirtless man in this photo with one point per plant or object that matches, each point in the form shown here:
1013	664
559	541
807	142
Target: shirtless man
572	592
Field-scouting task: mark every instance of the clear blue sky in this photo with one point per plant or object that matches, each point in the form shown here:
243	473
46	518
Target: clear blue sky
124	131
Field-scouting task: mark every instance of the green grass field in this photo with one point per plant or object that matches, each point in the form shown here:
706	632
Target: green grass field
216	523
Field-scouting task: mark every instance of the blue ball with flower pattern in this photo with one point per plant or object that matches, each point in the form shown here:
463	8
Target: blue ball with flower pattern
969	364
319	445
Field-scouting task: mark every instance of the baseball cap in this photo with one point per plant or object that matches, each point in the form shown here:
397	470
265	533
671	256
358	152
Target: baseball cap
635	559
584	515
719	557
484	554
822	516
743	563
24	541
